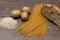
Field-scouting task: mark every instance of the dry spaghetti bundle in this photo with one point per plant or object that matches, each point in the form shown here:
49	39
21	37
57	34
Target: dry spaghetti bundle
36	25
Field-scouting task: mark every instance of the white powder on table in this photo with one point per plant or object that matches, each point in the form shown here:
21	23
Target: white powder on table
8	22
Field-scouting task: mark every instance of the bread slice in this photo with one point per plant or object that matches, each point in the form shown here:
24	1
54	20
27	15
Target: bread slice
51	14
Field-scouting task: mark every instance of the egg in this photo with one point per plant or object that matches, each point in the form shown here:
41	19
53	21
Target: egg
15	13
26	9
24	16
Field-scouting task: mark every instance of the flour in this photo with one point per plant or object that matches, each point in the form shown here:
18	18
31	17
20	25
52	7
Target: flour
8	22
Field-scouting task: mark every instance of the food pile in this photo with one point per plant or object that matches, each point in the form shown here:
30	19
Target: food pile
8	23
24	14
36	24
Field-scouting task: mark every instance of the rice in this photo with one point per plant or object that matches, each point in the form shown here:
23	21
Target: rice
8	22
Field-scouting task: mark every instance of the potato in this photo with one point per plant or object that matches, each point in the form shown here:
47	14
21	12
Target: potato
24	16
26	9
15	13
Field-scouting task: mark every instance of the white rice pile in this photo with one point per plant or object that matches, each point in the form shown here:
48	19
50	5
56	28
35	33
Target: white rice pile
8	22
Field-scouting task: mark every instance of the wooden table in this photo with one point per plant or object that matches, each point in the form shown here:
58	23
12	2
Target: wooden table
7	5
